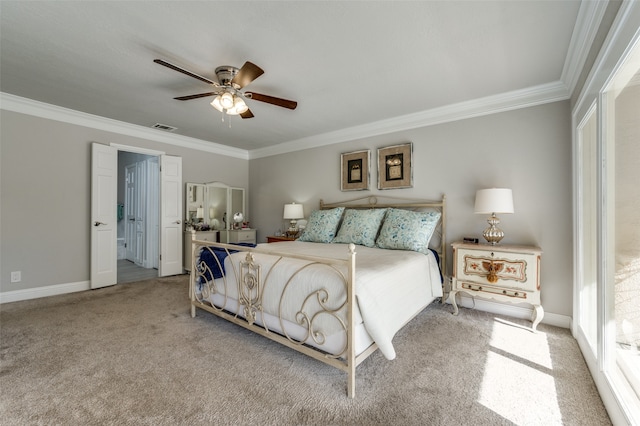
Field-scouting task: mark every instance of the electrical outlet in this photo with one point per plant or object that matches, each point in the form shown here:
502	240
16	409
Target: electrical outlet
16	276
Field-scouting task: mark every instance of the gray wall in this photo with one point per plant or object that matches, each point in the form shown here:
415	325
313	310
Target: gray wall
528	150
45	187
46	194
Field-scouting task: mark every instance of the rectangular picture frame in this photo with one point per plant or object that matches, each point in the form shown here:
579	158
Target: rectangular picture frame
395	166
354	170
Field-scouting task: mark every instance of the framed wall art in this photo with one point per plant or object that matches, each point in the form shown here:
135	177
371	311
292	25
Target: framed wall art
354	170
395	166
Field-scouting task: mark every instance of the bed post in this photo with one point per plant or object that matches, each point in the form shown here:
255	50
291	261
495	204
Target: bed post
443	247
351	339
192	280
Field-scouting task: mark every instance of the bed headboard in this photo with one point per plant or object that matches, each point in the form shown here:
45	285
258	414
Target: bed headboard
439	239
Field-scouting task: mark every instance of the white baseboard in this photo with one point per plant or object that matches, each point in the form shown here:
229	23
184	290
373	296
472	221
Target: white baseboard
38	292
512	310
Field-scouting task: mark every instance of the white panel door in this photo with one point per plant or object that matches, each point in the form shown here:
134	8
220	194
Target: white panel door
104	179
130	212
170	215
141	212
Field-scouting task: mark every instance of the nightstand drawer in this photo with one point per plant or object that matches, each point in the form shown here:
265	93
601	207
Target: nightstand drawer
516	294
499	269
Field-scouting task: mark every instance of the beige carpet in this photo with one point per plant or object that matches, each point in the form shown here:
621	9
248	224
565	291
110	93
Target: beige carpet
131	354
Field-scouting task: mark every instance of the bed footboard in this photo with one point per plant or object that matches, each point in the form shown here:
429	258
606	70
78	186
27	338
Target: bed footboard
279	296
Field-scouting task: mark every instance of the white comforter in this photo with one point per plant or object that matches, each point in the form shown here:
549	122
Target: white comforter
392	286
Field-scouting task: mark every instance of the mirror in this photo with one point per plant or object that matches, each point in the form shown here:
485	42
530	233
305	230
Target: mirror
217	202
237	206
213	205
195	200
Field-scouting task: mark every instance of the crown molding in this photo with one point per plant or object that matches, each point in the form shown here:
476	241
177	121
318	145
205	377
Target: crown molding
537	95
584	32
22	105
624	30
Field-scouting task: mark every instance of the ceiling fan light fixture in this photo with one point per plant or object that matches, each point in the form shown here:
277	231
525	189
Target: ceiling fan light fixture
226	100
216	104
239	105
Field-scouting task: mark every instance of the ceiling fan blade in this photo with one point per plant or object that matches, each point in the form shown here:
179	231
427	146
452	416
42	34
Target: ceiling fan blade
247	114
272	100
247	74
183	71
199	95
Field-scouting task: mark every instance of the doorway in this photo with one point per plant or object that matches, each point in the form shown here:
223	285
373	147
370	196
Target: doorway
166	255
138	216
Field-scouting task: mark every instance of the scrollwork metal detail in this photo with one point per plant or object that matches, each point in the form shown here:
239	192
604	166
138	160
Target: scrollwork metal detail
317	304
250	289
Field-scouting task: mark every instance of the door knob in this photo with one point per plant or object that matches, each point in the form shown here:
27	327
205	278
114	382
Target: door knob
177	222
96	223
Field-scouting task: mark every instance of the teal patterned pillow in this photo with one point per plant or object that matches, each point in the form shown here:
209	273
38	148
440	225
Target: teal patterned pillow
322	225
407	230
360	227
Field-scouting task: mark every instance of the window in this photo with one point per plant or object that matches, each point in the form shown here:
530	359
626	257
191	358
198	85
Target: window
607	224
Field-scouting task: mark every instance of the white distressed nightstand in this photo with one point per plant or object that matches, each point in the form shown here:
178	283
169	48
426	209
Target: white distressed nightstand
506	273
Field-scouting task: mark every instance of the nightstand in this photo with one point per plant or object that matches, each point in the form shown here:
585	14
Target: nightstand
506	273
274	239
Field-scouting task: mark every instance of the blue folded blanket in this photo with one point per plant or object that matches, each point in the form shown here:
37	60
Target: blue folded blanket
208	256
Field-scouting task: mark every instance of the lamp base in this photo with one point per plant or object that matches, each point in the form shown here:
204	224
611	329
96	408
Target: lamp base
493	234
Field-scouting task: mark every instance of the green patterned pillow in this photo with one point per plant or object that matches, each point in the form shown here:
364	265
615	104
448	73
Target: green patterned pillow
360	227
407	230
322	226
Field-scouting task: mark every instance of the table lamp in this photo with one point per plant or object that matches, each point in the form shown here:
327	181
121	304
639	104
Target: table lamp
492	201
293	212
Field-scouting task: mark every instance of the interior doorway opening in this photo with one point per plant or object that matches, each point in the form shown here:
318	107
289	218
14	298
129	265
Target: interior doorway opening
138	216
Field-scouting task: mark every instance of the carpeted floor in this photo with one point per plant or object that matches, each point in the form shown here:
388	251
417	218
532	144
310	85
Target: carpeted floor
131	354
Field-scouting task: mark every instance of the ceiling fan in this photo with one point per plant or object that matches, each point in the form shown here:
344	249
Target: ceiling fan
229	97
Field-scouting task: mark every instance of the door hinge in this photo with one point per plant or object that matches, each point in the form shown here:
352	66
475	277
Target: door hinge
160	257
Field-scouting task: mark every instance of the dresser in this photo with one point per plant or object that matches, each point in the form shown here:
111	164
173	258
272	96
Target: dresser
505	273
240	236
191	235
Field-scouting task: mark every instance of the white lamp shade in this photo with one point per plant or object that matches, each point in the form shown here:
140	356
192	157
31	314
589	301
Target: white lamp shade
200	213
293	211
226	100
494	200
216	104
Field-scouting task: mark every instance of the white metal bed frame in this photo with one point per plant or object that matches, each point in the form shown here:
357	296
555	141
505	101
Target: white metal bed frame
250	289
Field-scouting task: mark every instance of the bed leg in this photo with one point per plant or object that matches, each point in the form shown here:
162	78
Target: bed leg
351	385
193	311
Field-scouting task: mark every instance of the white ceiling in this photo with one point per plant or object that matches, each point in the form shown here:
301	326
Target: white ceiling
354	67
